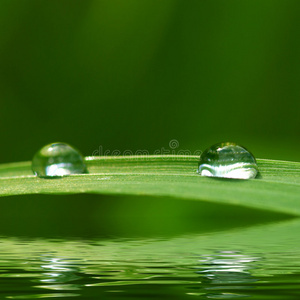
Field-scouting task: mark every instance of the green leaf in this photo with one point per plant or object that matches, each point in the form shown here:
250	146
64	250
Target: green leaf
277	188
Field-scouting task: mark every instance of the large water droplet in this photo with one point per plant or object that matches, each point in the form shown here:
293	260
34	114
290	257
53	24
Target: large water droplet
227	160
57	160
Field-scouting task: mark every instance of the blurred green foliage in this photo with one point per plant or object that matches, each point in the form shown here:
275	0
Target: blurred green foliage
135	74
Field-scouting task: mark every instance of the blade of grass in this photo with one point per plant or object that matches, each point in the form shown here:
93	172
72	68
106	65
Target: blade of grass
277	188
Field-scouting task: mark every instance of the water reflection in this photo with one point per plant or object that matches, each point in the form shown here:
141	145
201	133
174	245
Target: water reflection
226	270
178	268
227	267
58	273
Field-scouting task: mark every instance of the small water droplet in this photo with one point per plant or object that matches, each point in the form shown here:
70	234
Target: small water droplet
57	160
227	160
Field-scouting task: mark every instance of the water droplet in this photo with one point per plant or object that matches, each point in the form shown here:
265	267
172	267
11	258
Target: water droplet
57	160
227	160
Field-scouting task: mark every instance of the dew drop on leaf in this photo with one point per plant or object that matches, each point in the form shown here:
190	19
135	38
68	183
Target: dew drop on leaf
58	160
227	160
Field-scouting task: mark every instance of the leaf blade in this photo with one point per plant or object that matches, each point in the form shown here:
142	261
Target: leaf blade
277	188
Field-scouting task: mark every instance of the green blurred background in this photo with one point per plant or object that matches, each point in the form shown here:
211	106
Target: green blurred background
132	74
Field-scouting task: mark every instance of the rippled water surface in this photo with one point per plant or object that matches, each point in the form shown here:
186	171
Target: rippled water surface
100	247
260	262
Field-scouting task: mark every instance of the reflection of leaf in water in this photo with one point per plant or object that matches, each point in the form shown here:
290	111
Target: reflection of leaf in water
218	265
158	257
